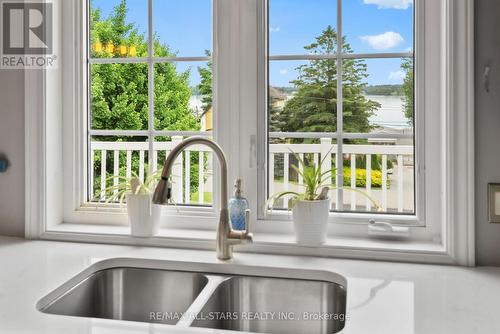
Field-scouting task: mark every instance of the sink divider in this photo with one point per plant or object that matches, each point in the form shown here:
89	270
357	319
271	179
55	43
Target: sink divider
195	308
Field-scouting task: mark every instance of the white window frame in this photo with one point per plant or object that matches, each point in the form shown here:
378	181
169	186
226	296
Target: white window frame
341	216
239	71
79	210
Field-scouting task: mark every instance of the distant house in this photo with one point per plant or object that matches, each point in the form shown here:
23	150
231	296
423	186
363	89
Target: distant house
207	123
393	136
277	98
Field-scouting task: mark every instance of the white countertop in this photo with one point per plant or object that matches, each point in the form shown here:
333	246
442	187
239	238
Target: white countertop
385	298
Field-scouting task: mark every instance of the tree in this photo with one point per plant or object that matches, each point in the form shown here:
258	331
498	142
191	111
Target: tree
120	91
205	86
408	89
314	106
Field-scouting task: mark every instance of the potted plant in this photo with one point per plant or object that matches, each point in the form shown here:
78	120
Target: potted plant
143	215
311	208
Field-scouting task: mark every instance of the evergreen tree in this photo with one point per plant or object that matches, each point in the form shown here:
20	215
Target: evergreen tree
408	89
314	106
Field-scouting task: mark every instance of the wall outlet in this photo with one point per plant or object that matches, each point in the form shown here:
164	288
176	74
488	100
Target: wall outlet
494	202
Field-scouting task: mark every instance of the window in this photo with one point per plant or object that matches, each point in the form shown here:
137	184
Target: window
347	104
150	87
134	83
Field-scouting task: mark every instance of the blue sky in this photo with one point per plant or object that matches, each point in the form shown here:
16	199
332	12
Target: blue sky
369	26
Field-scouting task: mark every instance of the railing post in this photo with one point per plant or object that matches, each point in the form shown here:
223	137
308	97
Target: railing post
92	161
326	157
201	177
271	174
368	181
353	182
400	183
187	179
384	182
177	173
104	155
286	177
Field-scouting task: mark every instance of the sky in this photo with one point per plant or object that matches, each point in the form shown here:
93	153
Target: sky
370	26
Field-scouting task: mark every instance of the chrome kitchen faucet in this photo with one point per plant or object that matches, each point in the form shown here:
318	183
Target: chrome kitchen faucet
226	236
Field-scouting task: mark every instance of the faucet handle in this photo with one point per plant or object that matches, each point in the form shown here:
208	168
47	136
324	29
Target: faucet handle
247	221
247	236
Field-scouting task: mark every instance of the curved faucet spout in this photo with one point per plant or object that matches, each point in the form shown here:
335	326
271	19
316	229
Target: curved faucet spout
163	191
226	237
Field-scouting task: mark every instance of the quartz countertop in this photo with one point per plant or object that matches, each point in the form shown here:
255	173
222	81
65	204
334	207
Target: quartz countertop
382	297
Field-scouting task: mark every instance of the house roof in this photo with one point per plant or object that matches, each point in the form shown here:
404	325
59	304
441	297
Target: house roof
276	94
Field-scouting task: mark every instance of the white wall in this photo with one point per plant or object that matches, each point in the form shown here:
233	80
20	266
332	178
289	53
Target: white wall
487	127
12	146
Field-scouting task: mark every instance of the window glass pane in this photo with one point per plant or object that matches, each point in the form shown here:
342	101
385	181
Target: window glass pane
378	100
183	96
372	26
295	24
384	173
183	102
114	161
182	28
192	173
119	96
289	157
118	29
303	96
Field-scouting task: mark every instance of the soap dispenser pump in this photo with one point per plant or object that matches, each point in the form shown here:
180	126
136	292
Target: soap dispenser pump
237	207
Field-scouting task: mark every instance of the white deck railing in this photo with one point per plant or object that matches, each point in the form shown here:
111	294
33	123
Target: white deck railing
182	178
181	170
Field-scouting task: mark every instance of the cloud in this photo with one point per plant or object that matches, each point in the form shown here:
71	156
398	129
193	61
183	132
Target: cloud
384	41
274	29
397	76
394	4
284	71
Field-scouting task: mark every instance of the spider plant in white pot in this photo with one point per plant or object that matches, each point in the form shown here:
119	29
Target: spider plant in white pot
311	208
143	215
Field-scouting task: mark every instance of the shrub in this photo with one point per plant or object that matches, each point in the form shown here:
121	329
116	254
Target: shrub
376	162
376	177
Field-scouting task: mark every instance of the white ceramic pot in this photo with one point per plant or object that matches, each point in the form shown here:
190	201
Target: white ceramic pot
310	219
144	217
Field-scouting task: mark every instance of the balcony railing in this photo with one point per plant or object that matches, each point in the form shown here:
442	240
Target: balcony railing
394	189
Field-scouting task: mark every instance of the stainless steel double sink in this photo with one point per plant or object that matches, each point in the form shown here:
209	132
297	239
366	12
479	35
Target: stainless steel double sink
216	296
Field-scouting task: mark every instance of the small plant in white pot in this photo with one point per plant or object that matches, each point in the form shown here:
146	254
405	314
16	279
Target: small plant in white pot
143	215
311	208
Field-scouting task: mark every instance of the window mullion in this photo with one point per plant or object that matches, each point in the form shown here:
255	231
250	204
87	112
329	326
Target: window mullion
340	120
151	86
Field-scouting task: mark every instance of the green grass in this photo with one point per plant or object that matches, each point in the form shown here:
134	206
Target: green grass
207	197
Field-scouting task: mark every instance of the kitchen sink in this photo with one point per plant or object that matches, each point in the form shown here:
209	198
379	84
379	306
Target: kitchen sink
212	296
271	305
124	293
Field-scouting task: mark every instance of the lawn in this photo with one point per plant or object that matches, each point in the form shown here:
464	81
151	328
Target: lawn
207	198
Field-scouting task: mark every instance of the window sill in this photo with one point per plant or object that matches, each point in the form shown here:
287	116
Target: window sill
270	243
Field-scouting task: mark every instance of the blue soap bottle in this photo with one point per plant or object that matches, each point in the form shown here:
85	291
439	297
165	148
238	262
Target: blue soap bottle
237	207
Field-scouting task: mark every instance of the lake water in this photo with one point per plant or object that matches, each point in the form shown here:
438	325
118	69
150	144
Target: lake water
390	113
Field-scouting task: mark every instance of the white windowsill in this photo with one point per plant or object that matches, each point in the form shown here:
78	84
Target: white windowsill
272	243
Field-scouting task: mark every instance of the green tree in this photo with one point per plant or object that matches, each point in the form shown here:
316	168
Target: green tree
206	82
408	89
314	106
120	91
